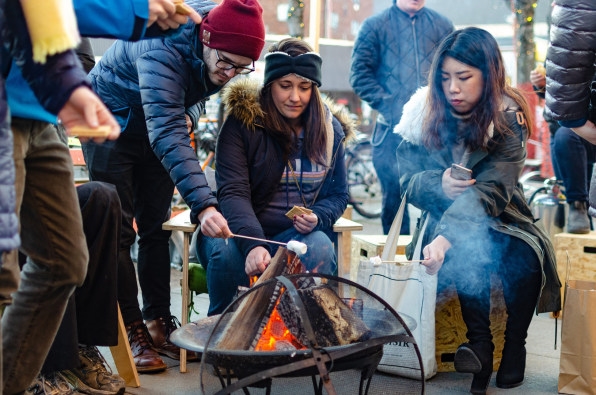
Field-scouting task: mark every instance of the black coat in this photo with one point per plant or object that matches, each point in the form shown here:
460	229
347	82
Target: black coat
570	60
250	166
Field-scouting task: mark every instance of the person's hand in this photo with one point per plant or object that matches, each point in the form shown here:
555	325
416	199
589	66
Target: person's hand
188	123
164	13
213	224
587	132
257	261
434	254
305	223
452	187
85	108
538	79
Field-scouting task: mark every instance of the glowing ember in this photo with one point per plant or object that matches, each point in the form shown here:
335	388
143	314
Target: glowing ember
276	336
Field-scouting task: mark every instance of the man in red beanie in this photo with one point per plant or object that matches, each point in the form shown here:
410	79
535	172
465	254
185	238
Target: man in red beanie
148	85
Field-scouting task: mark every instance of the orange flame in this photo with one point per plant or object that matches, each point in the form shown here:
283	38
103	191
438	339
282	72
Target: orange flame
276	331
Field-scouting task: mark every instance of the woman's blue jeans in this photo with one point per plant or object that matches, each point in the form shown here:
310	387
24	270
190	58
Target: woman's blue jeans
224	263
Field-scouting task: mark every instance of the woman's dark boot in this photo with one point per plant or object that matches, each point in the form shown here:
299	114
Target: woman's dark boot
521	277
478	359
512	367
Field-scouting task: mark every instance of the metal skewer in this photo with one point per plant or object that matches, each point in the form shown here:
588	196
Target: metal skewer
293	245
404	262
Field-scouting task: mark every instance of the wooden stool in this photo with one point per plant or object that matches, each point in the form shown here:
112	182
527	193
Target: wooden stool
580	251
344	228
122	355
182	223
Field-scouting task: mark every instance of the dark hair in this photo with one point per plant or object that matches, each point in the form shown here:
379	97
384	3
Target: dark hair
477	48
312	119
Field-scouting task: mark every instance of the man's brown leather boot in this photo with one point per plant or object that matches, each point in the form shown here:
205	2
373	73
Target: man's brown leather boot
147	360
160	330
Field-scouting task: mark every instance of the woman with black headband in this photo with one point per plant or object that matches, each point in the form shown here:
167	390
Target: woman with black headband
280	147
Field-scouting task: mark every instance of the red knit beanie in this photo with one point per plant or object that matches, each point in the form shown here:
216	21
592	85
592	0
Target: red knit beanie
235	26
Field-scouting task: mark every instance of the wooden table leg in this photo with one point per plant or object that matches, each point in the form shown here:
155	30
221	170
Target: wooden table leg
185	294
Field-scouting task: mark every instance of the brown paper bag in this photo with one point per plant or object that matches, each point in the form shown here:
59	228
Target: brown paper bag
577	371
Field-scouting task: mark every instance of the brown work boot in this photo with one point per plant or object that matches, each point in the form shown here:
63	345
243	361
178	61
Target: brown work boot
146	358
160	330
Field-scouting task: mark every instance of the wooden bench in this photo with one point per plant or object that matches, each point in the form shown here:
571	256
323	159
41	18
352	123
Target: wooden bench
181	222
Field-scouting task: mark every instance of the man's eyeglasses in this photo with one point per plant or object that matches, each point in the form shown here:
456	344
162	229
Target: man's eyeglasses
225	65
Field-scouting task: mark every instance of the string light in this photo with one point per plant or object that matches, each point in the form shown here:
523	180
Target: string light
296	13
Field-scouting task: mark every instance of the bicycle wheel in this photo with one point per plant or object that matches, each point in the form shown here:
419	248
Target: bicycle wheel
363	185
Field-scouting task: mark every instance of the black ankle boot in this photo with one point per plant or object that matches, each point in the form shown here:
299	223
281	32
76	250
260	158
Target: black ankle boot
478	359
512	367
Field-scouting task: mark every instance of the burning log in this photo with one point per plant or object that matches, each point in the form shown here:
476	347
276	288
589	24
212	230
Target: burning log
253	312
334	322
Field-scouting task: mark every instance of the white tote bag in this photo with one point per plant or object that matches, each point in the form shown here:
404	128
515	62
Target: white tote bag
410	291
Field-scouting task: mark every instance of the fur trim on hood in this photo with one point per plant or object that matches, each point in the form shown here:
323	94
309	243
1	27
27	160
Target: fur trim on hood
410	124
241	99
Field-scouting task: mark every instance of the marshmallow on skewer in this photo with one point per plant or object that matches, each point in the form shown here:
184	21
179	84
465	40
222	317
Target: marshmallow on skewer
293	245
297	247
376	260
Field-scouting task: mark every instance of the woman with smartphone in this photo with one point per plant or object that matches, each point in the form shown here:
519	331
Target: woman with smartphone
280	172
463	152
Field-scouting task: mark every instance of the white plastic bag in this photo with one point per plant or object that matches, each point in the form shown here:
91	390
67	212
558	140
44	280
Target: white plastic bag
410	291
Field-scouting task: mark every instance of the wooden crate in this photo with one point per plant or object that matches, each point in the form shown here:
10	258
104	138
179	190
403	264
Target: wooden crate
580	250
367	246
450	329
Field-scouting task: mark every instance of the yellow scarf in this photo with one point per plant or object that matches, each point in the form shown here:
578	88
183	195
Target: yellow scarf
52	25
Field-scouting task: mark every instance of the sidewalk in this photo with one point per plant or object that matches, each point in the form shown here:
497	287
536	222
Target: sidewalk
541	371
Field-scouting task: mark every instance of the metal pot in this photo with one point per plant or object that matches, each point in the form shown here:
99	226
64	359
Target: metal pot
549	206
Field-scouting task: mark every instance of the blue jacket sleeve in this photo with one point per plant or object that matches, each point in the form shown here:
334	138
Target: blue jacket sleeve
103	18
52	82
164	107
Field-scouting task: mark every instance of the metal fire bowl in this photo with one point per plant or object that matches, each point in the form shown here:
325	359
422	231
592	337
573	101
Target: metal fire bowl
194	335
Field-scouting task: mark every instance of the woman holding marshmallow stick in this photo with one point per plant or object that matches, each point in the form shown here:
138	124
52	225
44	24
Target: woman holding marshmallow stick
470	116
280	172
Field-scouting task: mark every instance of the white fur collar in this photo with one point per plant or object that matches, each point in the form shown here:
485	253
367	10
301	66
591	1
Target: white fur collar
410	124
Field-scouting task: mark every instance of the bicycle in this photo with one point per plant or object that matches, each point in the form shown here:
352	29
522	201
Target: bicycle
205	138
363	184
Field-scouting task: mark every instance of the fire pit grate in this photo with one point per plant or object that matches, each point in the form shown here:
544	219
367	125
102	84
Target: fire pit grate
305	330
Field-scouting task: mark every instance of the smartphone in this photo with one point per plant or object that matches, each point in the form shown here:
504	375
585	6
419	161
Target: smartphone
460	173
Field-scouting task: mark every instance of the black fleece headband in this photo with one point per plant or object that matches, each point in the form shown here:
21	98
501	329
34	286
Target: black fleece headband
279	64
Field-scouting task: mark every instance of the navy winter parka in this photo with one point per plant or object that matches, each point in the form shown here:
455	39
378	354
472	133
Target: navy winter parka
392	56
148	85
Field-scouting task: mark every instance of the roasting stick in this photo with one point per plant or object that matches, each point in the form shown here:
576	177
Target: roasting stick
406	261
376	261
292	245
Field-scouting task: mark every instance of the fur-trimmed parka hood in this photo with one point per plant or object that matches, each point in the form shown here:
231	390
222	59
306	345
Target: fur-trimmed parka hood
241	99
410	124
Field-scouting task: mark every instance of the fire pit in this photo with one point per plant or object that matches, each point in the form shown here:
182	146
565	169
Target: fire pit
326	329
